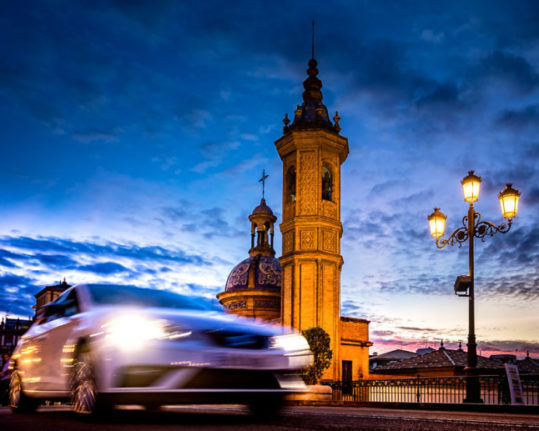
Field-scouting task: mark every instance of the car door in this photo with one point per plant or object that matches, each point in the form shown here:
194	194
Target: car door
58	330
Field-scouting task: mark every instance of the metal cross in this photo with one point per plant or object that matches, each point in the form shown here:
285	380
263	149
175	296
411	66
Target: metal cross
263	181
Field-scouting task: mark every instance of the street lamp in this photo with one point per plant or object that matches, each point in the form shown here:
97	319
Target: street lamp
473	227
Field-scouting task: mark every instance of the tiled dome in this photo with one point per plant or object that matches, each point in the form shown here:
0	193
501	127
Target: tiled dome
266	271
263	208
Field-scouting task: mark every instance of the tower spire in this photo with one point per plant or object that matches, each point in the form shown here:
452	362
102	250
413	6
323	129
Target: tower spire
312	113
312	54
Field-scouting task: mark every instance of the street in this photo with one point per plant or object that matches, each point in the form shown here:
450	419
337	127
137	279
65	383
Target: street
294	418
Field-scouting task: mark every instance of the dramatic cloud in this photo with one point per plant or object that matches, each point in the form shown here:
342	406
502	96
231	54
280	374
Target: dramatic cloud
517	346
7	263
55	261
153	253
105	268
518	120
134	135
44	260
16	294
512	69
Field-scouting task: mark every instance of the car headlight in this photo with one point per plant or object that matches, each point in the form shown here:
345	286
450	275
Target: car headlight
133	331
289	342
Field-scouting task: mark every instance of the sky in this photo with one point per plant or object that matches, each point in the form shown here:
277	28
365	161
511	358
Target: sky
133	135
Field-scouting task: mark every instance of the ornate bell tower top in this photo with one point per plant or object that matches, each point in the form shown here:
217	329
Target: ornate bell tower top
312	151
312	113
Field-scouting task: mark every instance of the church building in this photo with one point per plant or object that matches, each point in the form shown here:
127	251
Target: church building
301	289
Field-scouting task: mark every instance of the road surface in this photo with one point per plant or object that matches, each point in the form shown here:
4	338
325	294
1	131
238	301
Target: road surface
237	418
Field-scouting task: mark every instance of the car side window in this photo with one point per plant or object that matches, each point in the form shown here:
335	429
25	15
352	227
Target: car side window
71	305
51	315
66	305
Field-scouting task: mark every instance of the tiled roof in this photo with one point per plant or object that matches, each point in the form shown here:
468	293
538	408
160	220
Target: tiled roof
397	354
528	365
439	359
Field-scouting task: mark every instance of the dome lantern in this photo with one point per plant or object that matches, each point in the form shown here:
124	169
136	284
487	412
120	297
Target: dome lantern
253	287
262	230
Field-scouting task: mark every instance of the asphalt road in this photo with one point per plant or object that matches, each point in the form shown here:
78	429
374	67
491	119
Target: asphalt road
293	418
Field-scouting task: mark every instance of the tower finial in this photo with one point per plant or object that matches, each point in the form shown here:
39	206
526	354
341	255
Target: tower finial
312	114
312	53
263	181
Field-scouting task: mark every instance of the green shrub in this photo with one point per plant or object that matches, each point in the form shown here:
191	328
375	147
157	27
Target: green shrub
319	342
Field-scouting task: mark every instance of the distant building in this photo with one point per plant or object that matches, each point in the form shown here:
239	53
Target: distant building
505	358
10	331
425	350
49	294
528	365
376	360
441	362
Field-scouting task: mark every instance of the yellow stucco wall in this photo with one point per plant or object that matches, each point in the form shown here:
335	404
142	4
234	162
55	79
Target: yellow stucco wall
354	346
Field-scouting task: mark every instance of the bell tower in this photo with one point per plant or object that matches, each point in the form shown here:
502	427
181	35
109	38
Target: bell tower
312	151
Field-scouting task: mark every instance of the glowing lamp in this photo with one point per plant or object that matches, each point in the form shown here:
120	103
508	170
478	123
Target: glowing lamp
470	186
437	223
509	201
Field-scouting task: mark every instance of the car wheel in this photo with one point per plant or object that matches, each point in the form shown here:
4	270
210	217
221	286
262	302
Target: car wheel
84	396
267	407
18	400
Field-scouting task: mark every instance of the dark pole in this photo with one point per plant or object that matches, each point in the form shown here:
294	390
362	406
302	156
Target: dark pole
472	226
472	353
473	390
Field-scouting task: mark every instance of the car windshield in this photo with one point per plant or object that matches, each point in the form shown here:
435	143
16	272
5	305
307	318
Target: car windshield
107	294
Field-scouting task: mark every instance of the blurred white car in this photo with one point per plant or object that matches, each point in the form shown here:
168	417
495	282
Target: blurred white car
102	345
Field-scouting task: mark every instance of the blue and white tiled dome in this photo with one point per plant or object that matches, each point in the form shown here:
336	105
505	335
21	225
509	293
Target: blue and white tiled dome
264	270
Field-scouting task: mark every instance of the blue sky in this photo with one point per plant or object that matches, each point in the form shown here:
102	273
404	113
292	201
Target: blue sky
133	135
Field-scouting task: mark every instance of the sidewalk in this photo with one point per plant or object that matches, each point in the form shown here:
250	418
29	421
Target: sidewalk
484	408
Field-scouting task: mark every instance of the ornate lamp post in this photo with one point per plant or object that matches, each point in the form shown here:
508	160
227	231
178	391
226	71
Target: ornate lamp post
473	227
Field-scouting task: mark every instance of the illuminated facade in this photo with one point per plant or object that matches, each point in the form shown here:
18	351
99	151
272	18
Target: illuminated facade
312	151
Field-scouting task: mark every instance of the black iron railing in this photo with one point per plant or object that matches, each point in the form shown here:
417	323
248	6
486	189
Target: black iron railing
432	390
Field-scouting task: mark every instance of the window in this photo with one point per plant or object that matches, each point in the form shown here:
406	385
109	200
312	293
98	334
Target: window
71	304
291	184
66	305
327	184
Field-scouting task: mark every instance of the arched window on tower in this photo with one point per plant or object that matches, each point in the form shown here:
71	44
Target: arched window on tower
327	184
291	184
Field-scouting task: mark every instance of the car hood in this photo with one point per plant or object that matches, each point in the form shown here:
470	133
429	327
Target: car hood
197	320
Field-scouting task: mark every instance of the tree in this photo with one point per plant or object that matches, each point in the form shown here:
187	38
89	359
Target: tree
319	342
